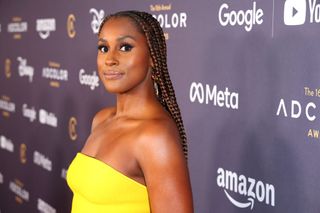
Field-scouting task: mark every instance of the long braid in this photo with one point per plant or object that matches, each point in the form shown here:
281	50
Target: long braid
151	28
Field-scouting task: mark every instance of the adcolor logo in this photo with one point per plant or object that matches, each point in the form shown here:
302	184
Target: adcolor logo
233	183
297	109
294	12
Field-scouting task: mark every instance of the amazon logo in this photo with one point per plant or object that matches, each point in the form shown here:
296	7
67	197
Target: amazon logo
252	189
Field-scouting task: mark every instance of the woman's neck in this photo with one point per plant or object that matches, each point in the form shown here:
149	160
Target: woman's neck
136	103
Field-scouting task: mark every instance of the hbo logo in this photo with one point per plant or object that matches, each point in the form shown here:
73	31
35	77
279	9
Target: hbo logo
246	18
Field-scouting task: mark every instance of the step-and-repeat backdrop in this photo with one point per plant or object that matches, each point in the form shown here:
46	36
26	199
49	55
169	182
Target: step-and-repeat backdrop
246	75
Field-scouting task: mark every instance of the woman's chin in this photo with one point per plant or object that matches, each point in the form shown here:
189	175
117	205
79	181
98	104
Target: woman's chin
113	90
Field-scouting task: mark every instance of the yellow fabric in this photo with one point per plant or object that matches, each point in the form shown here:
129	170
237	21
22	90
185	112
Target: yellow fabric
98	188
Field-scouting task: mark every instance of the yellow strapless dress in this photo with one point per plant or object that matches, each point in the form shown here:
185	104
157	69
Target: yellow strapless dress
98	188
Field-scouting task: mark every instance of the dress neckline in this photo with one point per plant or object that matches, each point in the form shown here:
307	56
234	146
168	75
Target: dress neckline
110	167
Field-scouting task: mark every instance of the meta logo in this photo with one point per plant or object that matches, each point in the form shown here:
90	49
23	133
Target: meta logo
254	189
207	94
295	12
97	19
246	18
296	109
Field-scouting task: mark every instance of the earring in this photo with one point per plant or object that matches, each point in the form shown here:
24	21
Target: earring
156	88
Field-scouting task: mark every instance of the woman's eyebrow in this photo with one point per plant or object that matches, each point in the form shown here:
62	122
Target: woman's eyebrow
102	40
120	38
126	36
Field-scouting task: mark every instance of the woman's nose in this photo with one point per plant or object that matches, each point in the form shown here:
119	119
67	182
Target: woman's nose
111	58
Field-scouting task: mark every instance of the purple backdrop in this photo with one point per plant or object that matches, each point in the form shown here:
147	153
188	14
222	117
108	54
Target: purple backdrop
246	78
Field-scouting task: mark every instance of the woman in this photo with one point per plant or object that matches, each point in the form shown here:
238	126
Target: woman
135	157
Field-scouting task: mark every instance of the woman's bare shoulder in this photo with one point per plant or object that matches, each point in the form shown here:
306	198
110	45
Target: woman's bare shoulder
160	138
101	116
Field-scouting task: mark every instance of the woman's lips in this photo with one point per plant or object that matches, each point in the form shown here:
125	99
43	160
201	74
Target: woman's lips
112	75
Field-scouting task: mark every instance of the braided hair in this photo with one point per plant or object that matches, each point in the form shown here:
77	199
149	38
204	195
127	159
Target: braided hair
150	27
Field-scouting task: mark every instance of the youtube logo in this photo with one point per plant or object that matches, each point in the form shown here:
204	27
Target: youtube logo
294	12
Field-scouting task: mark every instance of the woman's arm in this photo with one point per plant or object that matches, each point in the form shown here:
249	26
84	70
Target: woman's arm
165	170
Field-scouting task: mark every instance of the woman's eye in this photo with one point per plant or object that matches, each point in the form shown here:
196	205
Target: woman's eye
103	48
126	47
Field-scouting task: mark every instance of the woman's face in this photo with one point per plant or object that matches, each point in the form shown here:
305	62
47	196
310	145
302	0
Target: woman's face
123	56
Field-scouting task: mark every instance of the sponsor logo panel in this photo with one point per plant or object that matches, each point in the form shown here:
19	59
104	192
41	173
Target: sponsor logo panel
42	161
295	12
71	30
23	153
7	106
234	185
17	27
48	118
73	128
168	18
6	144
7	68
246	18
207	94
45	27
297	109
29	112
55	74
21	194
44	207
97	18
90	80
24	69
